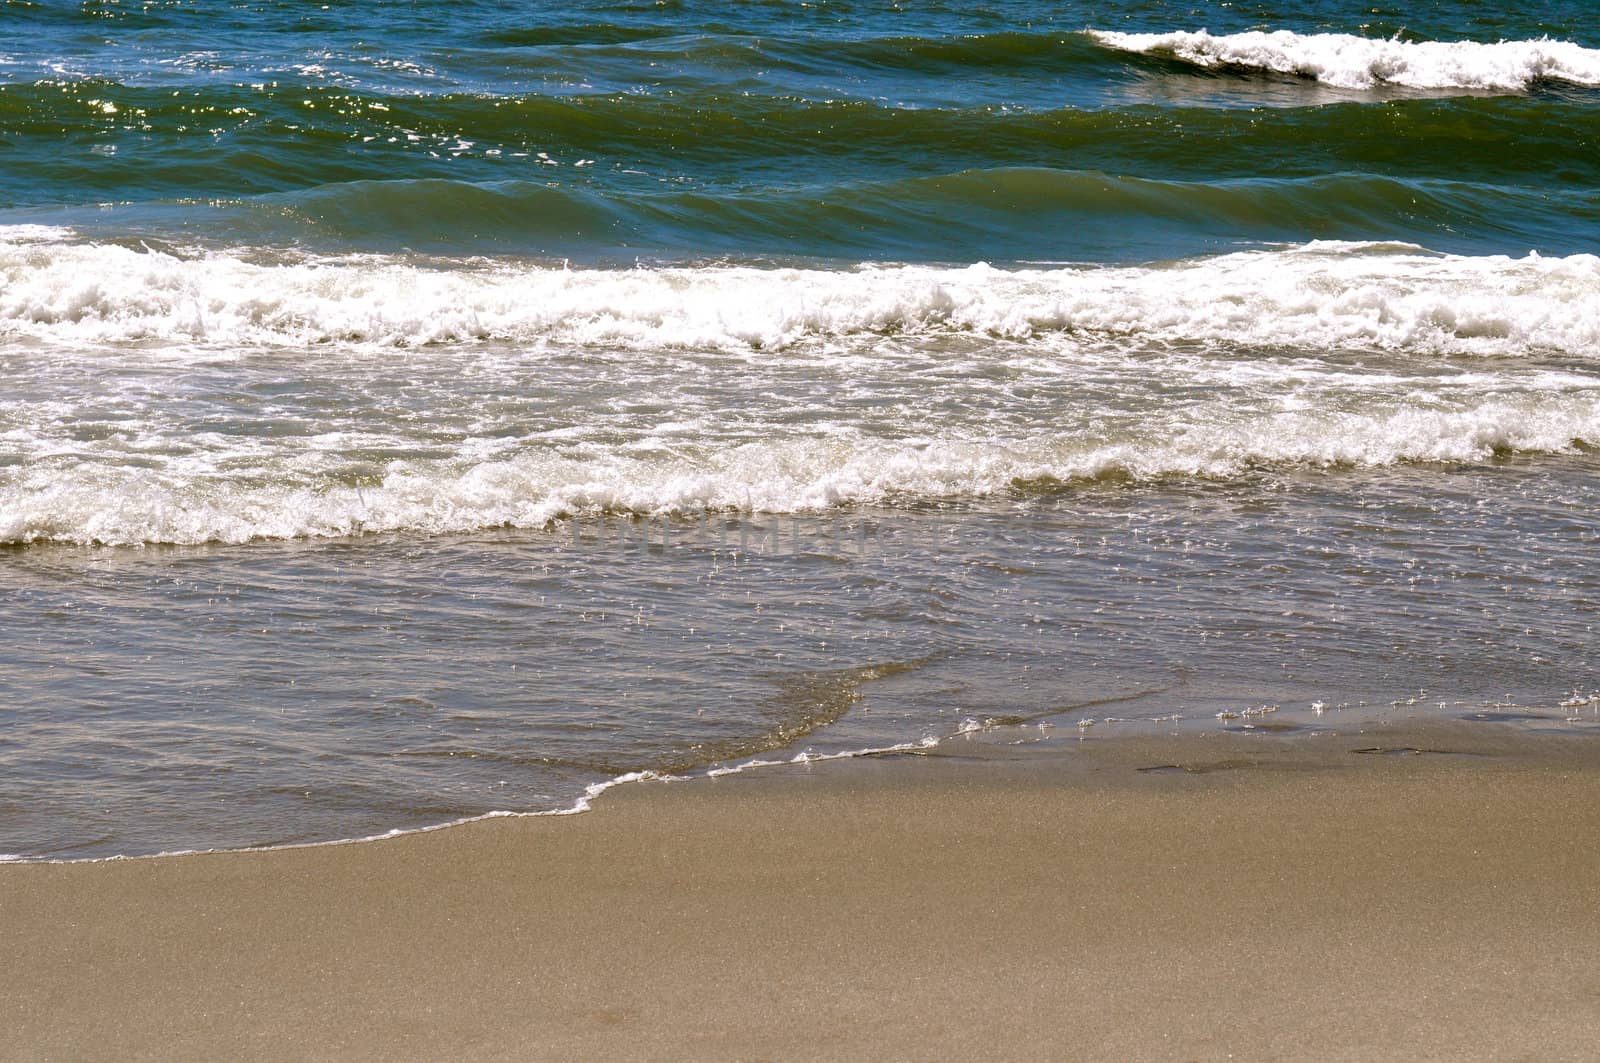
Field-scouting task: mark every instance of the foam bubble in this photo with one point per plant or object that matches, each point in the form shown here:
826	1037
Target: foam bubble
1345	61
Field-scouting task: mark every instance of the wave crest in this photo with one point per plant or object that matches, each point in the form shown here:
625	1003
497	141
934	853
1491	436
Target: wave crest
88	504
1320	295
1347	61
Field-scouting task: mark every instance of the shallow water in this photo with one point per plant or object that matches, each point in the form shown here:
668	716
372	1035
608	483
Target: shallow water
193	697
413	412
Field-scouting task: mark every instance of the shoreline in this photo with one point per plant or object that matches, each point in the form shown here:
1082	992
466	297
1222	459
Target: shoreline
1194	896
1045	736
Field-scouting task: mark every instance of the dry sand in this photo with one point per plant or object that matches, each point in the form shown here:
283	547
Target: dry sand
1261	898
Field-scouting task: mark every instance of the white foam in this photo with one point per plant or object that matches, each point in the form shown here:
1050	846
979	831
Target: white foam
1100	346
33	234
810	756
1319	295
87	503
1345	61
594	790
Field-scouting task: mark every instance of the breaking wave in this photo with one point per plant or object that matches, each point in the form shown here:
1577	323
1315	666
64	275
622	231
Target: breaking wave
1318	296
90	503
1346	61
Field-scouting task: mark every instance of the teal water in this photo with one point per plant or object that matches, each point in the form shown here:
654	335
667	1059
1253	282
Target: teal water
414	411
603	132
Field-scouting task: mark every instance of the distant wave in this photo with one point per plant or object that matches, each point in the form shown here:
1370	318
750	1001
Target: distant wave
793	153
1346	61
1006	213
1317	296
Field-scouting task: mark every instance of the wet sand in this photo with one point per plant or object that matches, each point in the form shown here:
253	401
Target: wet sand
1258	897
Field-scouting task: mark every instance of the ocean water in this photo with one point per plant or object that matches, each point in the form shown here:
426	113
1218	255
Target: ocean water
415	411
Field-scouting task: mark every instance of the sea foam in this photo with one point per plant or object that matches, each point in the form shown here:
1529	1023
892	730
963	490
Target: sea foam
1319	355
1320	295
1346	61
91	503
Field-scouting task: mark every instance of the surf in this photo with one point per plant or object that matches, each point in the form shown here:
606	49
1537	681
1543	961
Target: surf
1348	61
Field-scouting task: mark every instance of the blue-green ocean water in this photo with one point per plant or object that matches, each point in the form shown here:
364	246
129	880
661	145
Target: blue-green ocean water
685	132
415	410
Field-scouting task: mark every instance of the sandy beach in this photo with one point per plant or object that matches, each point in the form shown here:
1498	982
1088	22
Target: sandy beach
1252	897
1076	522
